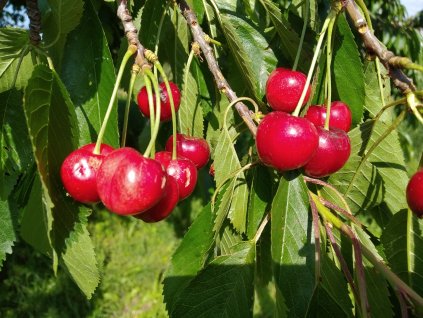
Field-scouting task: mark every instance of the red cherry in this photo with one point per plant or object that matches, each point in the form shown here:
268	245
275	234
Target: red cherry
78	172
129	183
165	111
195	149
340	115
285	142
331	155
284	88
164	157
415	193
165	206
185	174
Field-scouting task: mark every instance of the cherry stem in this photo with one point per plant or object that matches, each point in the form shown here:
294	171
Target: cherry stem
234	102
328	71
313	62
134	72
187	67
131	50
300	46
149	90
155	129
413	103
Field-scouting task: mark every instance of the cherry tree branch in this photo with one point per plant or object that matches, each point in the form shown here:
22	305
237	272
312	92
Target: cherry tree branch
34	16
220	80
391	62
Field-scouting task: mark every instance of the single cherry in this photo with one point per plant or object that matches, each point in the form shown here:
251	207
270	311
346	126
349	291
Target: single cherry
79	171
165	111
286	142
165	206
415	193
331	155
185	174
284	88
195	149
128	183
340	115
164	158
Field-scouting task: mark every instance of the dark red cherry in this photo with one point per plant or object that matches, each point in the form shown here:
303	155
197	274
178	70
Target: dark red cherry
340	115
164	157
284	88
195	149
165	110
185	174
415	193
79	170
286	142
331	155
165	206
128	183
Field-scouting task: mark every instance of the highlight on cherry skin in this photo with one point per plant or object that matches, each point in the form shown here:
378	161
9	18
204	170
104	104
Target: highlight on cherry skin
284	88
195	149
185	174
79	172
286	142
165	110
340	115
129	183
414	193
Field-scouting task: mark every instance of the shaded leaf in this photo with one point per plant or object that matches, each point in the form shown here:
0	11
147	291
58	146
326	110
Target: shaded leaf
292	246
225	288
150	19
7	233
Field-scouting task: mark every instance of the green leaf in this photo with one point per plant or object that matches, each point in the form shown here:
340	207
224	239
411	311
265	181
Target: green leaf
13	43
292	249
90	85
7	233
254	57
190	257
225	288
150	20
348	69
403	245
15	147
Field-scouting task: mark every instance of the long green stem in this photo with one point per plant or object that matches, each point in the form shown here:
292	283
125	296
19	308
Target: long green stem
412	103
313	62
149	90
235	101
190	57
127	106
131	50
328	72
300	46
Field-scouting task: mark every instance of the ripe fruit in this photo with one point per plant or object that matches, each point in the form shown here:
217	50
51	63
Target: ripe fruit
195	149
165	206
185	174
164	157
415	193
79	170
285	142
284	88
340	115
129	183
332	153
165	112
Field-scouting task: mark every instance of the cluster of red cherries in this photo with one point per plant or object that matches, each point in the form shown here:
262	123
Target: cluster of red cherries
128	183
287	142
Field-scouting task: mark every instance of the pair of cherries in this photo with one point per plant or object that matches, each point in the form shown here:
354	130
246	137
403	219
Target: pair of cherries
130	184
287	142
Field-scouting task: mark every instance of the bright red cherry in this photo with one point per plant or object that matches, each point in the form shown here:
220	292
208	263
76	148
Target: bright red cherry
415	193
165	111
286	142
79	170
185	174
164	157
165	206
340	115
284	88
195	149
128	183
331	155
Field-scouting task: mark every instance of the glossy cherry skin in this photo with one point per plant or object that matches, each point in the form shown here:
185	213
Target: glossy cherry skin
129	183
185	174
414	193
331	155
340	116
165	110
164	157
285	142
195	149
284	88
165	206
79	170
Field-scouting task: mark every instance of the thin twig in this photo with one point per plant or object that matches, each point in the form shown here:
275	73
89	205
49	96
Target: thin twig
344	212
221	82
34	16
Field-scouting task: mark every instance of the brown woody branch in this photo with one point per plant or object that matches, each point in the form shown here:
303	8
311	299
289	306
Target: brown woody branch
34	16
221	82
391	62
131	32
